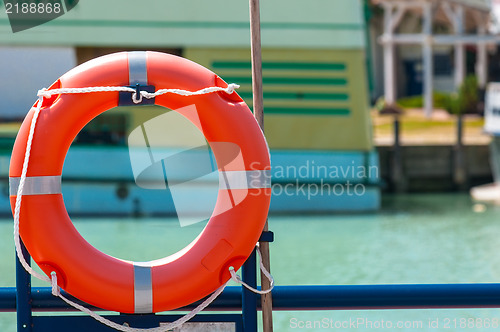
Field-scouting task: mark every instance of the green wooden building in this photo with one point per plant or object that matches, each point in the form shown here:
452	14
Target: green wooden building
314	68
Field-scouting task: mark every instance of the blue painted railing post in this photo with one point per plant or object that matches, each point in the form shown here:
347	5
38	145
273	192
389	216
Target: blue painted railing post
23	294
249	299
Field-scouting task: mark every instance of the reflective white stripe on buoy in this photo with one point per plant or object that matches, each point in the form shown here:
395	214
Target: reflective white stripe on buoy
143	288
36	185
245	179
137	70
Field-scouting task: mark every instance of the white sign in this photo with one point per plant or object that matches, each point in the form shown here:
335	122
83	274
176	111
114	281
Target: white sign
492	109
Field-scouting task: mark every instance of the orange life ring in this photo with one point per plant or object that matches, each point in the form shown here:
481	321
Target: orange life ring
179	279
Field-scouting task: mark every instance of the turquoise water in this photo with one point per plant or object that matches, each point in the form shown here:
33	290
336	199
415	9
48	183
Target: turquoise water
414	239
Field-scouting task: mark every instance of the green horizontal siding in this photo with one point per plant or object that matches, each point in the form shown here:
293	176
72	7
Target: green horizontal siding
307	111
305	107
299	96
289	80
299	88
280	65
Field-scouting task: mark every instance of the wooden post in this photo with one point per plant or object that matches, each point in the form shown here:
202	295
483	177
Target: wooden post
460	172
398	178
256	54
258	110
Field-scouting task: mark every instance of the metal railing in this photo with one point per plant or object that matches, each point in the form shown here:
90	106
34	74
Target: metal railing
25	300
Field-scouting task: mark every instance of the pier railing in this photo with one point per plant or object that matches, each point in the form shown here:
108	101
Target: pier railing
26	299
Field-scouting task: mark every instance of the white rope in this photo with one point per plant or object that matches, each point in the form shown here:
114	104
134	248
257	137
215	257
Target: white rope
49	93
44	93
119	327
268	275
17	207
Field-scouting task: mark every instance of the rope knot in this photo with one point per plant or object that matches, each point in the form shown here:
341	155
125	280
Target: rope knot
231	87
135	99
234	276
238	280
53	281
44	93
137	95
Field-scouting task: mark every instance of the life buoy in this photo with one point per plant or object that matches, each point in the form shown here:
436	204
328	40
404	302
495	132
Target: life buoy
174	281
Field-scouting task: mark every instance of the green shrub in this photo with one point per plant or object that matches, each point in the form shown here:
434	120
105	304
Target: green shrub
440	99
467	98
465	101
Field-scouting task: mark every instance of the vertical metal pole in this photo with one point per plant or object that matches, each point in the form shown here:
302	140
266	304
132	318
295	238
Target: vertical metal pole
258	109
389	75
249	299
459	47
427	61
23	294
482	59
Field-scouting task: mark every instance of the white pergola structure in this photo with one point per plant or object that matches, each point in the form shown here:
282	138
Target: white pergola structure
462	15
